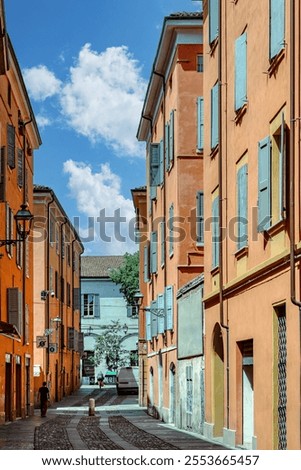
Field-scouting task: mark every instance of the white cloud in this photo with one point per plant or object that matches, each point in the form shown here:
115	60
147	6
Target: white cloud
43	121
108	216
41	83
104	97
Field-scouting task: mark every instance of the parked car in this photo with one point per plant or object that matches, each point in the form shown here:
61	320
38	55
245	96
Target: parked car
127	380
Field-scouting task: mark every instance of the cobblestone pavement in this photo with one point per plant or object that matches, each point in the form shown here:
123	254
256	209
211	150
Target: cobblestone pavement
118	423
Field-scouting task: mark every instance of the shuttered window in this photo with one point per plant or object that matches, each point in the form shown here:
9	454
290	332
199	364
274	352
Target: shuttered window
154	319
277	26
169	307
240	71
148	332
171	230
154	169
146	269
11	146
161	311
20	168
169	141
214	116
264	184
162	239
2	174
242	207
200	217
161	162
213	19
14	308
154	253
215	232
200	122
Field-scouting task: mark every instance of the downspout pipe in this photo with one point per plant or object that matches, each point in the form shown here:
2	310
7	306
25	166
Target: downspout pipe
47	319
221	231
292	183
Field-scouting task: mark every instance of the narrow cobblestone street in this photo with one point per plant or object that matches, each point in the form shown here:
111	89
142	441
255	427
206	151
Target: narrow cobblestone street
118	423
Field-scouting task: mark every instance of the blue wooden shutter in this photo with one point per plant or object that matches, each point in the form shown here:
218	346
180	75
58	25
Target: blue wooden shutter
242	206
171	136
264	184
148	332
154	252
161	311
146	263
200	217
161	162
214	116
169	307
154	319
240	71
213	19
215	232
170	226
96	306
282	171
166	146
162	239
277	22
154	169
200	124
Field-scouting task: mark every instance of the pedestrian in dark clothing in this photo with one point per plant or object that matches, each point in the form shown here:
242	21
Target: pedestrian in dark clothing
43	397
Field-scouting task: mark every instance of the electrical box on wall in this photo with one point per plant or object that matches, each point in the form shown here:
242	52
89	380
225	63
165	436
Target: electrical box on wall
52	347
42	341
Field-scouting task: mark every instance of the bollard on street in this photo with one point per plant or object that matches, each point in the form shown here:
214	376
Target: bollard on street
91	407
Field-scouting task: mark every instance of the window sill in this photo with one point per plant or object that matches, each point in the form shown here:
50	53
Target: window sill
276	228
213	46
242	252
275	62
214	151
239	114
214	271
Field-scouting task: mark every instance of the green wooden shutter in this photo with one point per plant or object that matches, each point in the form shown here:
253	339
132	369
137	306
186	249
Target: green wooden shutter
200	122
148	332
166	146
171	231
282	171
162	240
200	217
240	71
161	162
264	184
242	206
215	232
213	19
154	319
214	116
146	263
277	26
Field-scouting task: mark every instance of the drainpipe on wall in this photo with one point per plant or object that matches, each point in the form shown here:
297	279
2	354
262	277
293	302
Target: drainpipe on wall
220	184
291	179
47	319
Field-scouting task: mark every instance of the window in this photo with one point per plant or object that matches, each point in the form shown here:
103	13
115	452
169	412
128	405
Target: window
169	307
277	21
14	308
91	305
2	174
214	116
213	20
215	232
9	229
242	206
200	122
272	176
162	239
200	63
240	71
200	217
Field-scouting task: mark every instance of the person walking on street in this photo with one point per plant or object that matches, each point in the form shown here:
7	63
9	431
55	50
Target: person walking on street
43	398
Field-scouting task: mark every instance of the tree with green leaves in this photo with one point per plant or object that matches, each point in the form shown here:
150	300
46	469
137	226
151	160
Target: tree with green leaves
127	276
108	347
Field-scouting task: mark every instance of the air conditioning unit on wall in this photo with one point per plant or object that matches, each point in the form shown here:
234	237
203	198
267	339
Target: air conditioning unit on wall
42	341
52	347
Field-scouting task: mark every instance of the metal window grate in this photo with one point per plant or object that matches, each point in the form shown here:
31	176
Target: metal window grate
282	395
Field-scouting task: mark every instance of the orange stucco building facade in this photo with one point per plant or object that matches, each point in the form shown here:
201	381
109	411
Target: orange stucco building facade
252	222
58	341
170	254
19	138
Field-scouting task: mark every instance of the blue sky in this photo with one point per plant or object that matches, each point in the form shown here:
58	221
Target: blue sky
86	65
